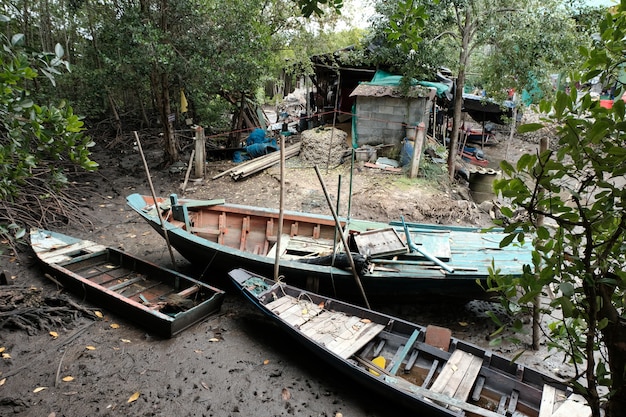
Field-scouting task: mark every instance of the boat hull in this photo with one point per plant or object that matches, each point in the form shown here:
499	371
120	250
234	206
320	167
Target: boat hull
416	376
161	300
401	276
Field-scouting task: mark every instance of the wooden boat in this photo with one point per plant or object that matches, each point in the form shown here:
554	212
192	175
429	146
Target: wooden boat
445	260
161	300
423	368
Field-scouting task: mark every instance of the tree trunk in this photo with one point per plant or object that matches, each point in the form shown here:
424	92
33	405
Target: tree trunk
458	92
614	335
171	149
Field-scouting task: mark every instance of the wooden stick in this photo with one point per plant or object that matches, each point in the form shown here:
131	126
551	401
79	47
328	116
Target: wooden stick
343	238
156	203
281	208
193	152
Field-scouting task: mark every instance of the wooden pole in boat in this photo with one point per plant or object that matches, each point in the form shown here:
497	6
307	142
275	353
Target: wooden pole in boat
281	208
156	204
343	237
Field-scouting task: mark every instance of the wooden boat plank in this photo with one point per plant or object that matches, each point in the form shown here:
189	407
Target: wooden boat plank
279	305
548	399
284	242
300	312
324	323
458	375
359	339
405	351
574	406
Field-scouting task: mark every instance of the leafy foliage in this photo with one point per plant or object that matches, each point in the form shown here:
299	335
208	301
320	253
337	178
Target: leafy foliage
35	140
579	252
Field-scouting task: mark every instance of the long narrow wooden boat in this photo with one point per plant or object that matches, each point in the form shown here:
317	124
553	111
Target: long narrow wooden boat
423	368
445	260
161	300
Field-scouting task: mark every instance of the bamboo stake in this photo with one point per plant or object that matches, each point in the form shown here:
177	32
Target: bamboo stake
343	238
281	209
156	204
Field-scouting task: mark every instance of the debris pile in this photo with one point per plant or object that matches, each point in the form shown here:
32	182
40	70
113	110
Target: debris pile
323	147
28	309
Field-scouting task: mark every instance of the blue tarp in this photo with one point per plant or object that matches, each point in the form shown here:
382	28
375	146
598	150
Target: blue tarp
256	145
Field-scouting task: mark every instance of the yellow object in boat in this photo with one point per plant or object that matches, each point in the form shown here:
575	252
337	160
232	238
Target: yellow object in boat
379	361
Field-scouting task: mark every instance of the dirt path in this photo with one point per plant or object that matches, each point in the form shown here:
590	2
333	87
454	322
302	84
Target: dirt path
232	364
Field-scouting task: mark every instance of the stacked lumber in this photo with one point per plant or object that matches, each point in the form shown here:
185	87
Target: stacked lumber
258	164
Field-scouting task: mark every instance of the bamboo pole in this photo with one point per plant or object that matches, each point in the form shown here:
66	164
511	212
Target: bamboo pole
343	237
156	204
281	209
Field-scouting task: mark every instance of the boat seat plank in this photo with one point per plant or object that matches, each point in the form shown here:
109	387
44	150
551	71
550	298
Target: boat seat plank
551	400
310	245
126	283
64	254
458	375
300	312
411	362
405	351
280	304
284	242
513	401
574	406
500	409
359	339
341	334
207	231
480	383
431	373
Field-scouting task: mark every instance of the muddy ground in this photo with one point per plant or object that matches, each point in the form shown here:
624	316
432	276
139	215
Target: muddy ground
235	363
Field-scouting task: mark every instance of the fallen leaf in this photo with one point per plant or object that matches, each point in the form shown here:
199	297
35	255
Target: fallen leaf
206	387
54	335
39	389
305	311
321	305
366	321
2	381
98	314
133	397
198	351
6	356
125	340
2	349
338	414
463	323
115	326
68	378
52	414
214	339
90	347
286	394
266	361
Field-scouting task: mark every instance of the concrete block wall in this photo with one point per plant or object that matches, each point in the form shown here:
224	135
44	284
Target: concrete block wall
382	120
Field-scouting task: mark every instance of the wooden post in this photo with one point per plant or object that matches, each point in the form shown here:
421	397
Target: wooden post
200	152
417	150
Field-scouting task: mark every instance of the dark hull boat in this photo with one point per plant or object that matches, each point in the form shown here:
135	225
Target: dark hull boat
163	301
424	369
445	260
